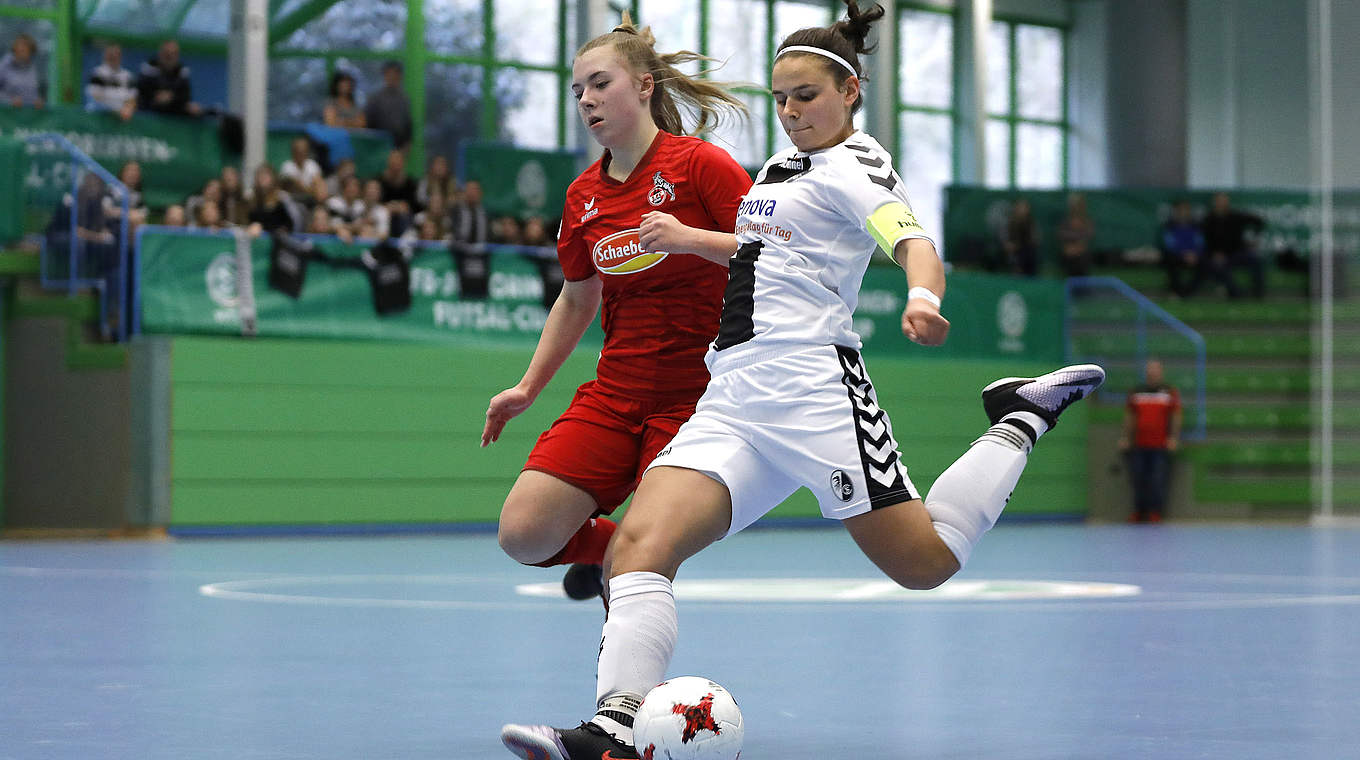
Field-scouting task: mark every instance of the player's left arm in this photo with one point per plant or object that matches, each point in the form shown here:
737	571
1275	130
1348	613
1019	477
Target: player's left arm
922	321
895	229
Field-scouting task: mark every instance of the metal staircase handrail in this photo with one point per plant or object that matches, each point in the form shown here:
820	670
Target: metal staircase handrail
1146	306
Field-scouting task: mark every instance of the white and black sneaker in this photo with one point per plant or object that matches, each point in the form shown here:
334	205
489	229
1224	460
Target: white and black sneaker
585	742
1046	395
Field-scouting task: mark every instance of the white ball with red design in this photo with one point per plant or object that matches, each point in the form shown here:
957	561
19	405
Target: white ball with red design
689	718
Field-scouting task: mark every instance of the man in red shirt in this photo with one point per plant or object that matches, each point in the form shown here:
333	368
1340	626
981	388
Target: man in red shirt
1152	429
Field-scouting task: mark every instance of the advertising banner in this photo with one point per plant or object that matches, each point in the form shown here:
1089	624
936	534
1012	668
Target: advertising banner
190	284
519	182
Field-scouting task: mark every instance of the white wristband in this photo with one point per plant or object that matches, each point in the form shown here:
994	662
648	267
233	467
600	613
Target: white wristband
925	294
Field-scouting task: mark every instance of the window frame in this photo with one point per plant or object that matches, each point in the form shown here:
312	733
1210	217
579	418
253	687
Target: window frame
1012	118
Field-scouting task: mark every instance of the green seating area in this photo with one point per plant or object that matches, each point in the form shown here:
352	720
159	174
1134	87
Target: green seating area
1258	455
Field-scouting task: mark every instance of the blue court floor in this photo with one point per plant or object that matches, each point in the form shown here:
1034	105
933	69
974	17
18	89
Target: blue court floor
1058	641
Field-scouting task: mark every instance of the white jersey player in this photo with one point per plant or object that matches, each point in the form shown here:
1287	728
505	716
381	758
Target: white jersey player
790	403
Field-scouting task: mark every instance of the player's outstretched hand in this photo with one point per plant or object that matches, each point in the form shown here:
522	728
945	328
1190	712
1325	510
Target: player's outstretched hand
504	407
922	323
660	231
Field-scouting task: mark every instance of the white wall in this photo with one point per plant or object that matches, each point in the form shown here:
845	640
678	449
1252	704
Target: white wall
1252	99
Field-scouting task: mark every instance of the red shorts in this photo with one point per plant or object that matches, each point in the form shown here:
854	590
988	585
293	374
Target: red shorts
605	440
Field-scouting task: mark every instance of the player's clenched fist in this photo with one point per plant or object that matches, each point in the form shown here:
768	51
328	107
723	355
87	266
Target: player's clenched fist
504	407
660	231
923	323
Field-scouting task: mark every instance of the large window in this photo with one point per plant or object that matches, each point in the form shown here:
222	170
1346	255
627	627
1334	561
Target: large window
491	71
1027	120
925	93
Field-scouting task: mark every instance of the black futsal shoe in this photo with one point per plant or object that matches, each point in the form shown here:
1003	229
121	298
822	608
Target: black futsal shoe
585	742
1045	395
582	581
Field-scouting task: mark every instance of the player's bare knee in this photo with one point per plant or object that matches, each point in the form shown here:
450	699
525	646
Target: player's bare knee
523	541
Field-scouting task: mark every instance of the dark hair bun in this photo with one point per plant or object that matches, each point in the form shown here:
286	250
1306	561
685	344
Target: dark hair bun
855	27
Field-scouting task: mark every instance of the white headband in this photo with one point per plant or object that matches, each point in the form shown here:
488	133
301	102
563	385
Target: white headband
818	51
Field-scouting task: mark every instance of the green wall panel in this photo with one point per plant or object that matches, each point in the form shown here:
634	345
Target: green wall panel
306	432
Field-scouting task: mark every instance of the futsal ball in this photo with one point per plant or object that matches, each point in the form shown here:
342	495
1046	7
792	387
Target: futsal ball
688	718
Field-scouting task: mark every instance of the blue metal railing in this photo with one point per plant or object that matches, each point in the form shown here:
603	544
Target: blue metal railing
109	278
1082	287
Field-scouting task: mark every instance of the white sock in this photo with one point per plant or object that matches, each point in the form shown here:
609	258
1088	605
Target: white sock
966	499
639	638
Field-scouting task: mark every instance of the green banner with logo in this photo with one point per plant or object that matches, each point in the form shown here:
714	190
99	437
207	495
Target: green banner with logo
990	316
178	155
13	169
519	182
192	284
1129	219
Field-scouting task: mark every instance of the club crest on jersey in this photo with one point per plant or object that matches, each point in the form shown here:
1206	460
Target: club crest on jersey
662	189
622	253
842	485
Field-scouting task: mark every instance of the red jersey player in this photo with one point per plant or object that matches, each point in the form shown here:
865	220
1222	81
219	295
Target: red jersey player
646	231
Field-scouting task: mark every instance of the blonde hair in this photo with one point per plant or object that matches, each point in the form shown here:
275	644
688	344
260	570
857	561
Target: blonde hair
707	101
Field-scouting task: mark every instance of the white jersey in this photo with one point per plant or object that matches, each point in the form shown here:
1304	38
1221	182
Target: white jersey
806	232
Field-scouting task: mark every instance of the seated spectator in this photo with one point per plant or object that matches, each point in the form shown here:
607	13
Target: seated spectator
1230	242
163	84
211	193
506	230
130	174
536	233
398	192
340	109
1074	237
336	181
319	222
319	193
175	216
20	79
269	204
209	218
235	209
348	207
389	109
468	221
1020	240
435	210
112	87
300	171
1182	247
376	221
437	177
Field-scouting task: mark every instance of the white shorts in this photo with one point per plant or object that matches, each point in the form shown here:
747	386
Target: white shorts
805	419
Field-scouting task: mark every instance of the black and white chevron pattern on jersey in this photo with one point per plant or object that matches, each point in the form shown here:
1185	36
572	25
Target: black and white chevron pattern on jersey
887	178
883	469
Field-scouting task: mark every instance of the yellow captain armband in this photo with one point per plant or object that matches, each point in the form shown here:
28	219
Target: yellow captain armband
892	222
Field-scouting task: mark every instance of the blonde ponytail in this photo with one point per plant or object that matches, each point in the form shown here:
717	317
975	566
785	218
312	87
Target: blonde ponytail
708	103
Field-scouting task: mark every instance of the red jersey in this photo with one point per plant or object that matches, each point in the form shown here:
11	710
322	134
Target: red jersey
660	310
1153	408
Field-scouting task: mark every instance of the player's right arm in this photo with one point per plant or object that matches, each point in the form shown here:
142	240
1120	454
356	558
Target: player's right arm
571	314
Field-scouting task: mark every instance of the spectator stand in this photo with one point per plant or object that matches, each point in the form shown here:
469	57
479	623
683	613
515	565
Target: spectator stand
1110	323
81	249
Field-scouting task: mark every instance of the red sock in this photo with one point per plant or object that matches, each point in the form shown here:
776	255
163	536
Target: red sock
586	547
